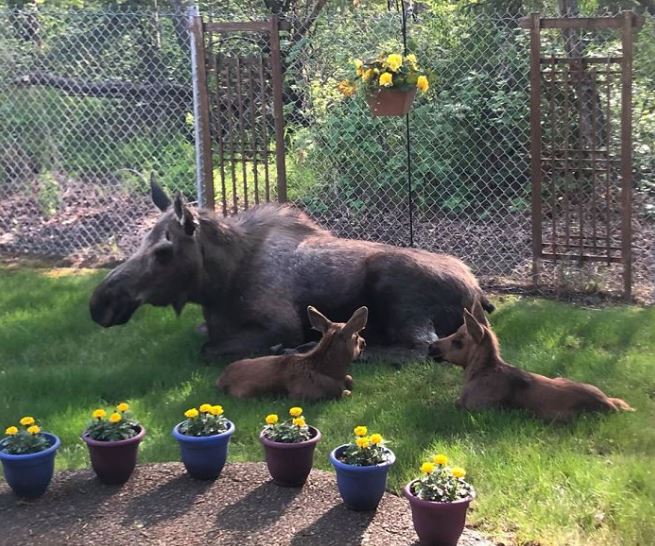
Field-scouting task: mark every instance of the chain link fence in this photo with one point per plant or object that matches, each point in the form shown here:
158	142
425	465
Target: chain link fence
90	101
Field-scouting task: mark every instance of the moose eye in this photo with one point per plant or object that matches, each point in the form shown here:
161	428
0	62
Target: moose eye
457	344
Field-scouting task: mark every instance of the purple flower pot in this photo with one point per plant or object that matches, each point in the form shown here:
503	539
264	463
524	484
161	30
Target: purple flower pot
114	461
204	456
437	523
29	475
290	463
361	487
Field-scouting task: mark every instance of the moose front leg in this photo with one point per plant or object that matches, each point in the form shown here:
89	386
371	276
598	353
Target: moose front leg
253	338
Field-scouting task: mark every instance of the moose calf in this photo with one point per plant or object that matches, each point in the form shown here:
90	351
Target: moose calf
319	373
492	383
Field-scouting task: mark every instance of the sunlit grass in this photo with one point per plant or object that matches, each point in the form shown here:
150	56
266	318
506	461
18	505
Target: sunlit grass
587	483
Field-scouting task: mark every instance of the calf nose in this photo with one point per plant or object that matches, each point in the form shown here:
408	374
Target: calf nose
434	351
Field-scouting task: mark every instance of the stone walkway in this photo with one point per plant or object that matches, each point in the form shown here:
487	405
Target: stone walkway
161	505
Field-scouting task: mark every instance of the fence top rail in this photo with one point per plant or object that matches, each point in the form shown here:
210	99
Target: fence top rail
586	23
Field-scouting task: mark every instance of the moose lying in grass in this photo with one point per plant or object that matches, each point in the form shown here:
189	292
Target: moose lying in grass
319	373
256	272
492	383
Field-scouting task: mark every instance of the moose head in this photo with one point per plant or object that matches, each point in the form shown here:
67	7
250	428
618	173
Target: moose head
165	270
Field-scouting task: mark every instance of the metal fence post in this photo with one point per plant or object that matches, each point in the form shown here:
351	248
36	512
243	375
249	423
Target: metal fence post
202	135
535	141
626	153
278	110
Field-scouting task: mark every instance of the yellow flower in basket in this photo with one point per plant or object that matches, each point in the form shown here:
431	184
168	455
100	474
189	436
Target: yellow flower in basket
422	83
394	62
386	79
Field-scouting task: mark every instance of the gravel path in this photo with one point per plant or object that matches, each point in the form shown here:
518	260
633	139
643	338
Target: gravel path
162	505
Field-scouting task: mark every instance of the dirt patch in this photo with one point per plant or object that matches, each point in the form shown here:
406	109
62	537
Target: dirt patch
162	505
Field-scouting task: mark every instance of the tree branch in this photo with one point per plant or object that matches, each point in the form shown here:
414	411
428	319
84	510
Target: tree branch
109	89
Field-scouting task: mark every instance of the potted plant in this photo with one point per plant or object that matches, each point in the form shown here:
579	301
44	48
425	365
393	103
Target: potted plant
389	83
439	501
362	468
113	444
28	457
204	437
289	448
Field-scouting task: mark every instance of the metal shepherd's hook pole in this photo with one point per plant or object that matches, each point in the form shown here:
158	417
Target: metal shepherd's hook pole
408	143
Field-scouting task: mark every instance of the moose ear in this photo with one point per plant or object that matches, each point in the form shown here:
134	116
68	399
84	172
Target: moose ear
357	322
474	328
184	215
159	197
318	321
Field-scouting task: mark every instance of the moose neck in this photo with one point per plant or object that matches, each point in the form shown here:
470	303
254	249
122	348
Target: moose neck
330	357
224	246
485	358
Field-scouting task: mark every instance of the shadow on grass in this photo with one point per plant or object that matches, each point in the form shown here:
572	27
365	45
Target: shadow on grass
259	509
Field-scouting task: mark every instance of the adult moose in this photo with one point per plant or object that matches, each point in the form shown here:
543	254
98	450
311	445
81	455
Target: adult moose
255	273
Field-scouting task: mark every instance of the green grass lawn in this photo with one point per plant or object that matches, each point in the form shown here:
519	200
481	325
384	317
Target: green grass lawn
588	483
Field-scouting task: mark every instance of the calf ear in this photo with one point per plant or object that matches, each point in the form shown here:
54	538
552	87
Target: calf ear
159	197
478	313
474	328
318	321
184	215
357	322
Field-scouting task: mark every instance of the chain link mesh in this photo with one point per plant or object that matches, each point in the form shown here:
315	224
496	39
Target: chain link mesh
120	105
90	102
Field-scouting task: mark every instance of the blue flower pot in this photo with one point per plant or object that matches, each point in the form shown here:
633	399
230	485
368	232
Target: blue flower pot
29	475
204	456
361	487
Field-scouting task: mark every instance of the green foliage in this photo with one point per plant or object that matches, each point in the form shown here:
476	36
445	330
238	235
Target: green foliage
441	483
365	450
120	425
207	421
24	439
290	431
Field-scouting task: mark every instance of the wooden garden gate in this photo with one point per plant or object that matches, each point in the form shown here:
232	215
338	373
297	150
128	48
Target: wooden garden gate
238	111
581	144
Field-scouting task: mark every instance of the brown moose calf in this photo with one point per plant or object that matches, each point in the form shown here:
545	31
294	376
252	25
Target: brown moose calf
320	373
492	383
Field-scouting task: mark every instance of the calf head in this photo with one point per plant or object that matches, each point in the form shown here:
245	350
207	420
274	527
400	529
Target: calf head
165	269
473	342
341	338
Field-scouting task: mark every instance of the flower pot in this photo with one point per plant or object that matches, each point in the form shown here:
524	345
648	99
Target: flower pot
391	102
437	523
361	487
204	456
29	475
113	462
290	463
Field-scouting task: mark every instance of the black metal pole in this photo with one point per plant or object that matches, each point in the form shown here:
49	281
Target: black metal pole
408	143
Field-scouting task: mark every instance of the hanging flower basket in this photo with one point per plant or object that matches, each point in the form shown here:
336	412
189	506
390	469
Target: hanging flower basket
391	102
388	83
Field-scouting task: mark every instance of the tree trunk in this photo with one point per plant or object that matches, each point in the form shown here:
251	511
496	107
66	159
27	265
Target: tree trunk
589	103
